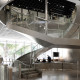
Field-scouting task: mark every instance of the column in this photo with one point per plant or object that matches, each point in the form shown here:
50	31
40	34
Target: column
46	16
21	14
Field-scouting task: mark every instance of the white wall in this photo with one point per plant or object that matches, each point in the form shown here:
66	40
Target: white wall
63	54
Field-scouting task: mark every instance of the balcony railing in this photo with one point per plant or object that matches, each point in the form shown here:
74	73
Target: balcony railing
57	27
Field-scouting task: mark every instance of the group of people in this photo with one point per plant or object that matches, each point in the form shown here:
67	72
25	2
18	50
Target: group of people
44	60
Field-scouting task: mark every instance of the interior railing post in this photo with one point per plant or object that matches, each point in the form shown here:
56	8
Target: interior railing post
31	56
62	33
6	72
10	73
79	33
21	14
77	69
19	71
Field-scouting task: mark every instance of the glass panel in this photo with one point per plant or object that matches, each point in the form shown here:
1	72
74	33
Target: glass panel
55	33
59	24
11	50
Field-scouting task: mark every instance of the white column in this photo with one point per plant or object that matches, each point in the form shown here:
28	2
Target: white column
46	16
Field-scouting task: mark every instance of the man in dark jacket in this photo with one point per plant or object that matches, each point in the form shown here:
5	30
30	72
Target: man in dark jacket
49	58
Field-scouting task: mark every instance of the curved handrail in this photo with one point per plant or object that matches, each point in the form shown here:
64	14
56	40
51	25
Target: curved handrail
22	63
72	23
34	47
35	16
21	49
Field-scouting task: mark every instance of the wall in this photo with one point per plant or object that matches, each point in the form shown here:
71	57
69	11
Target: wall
75	57
75	54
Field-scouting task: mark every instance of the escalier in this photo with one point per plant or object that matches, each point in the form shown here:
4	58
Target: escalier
30	73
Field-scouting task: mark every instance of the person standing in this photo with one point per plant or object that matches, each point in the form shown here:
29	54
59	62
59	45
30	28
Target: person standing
49	59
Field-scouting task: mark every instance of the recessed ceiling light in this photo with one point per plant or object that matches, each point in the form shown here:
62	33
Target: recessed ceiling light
63	6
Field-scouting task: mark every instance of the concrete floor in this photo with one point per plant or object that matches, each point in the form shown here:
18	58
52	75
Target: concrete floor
59	75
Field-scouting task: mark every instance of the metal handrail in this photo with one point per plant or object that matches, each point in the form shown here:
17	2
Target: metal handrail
30	14
22	63
19	67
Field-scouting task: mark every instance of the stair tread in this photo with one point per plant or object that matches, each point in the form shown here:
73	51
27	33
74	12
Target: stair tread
31	75
26	69
30	72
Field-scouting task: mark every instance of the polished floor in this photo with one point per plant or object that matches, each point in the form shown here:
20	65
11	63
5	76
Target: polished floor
59	75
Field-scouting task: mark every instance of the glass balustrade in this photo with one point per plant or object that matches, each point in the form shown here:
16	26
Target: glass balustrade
14	49
18	67
56	27
55	33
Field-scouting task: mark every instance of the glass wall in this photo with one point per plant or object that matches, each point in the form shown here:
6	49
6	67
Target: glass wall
11	50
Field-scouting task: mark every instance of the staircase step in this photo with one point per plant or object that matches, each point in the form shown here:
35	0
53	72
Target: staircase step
31	75
29	72
27	69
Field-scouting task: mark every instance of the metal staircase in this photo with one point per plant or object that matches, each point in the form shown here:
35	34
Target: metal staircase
30	73
24	71
36	28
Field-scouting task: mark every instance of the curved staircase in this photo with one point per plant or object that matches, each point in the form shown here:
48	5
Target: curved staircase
25	71
30	73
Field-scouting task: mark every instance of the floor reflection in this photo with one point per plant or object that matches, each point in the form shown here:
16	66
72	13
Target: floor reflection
59	75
